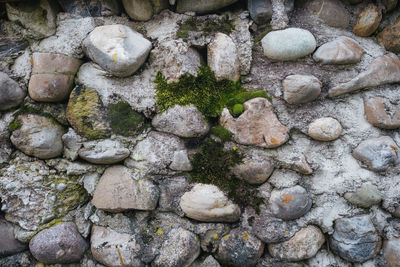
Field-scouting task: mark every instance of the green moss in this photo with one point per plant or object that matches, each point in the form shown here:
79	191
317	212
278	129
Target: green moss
205	26
222	133
124	120
237	109
14	125
31	110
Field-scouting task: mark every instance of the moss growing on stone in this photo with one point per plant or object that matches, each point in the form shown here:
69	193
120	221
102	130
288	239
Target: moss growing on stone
124	120
14	125
237	109
222	133
205	26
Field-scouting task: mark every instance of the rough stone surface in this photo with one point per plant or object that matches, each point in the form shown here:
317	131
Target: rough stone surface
261	11
332	12
257	125
325	129
299	89
171	191
11	94
207	262
342	50
94	8
8	244
72	143
60	243
118	190
38	136
355	239
377	154
204	6
138	9
288	44
391	252
381	113
368	21
303	245
365	196
389	37
182	121
207	203
103	152
117	49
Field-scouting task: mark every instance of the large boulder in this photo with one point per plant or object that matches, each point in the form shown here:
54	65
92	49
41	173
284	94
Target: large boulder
11	94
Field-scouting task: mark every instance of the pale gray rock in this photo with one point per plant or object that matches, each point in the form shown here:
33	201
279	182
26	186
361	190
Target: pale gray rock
72	168
117	49
207	262
342	50
391	252
333	13
181	248
382	113
280	14
103	152
243	40
141	10
365	196
118	190
210	235
325	129
5	143
207	203
299	89
355	239
60	243
284	178
72	143
183	121
180	161
38	136
377	154
204	6
171	191
288	44
326	258
11	94
9	245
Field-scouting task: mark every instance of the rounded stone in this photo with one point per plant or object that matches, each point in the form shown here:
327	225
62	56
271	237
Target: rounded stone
332	12
342	50
255	169
325	129
381	113
365	196
103	152
9	245
203	6
11	95
391	252
368	21
59	244
288	44
138	9
298	89
390	37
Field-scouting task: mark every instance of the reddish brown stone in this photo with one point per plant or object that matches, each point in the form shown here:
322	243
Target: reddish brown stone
368	21
381	113
390	37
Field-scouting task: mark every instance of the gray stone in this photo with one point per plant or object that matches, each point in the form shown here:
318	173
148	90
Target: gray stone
60	243
382	113
290	203
183	121
243	40
72	143
38	136
284	178
288	44
181	248
9	245
12	47
325	129
171	191
11	95
261	11
391	252
118	190
298	89
342	50
180	161
332	12
239	248
103	152
138	9
365	196
355	239
203	6
94	8
377	154
210	235
303	245
207	262
117	49
5	143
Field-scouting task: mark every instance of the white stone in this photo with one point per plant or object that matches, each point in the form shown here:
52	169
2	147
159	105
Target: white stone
103	152
325	129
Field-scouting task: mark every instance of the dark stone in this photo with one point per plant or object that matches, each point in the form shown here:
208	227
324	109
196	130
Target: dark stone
261	10
12	47
11	95
8	244
93	8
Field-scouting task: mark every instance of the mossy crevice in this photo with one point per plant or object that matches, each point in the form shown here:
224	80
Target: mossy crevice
223	134
124	120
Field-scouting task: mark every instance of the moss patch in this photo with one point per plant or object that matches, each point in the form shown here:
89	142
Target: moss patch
237	109
222	133
14	125
124	120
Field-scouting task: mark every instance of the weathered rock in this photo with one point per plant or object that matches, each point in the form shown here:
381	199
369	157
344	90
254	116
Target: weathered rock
365	196
8	244
183	121
389	4
94	8
60	243
117	49
368	21
377	154
72	143
87	114
222	57
12	47
204	6
289	44
391	252
261	11
159	5
342	50
171	191
381	113
284	178
38	136
114	249
389	37
290	203
103	152
332	12
11	95
118	190
383	70
355	239
303	245
138	9
207	262
257	125
39	17
181	248
298	89
52	76
325	129
207	203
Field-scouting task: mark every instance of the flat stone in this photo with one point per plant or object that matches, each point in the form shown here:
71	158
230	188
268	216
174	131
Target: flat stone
223	58
333	13
381	113
9	245
365	196
60	243
52	76
207	203
368	21
204	6
38	136
117	49
112	248
118	191
390	37
183	121
299	89
303	245
342	50
383	70
171	191
377	154
325	129
94	8
355	239
138	9
257	125
103	152
290	203
11	94
181	248
391	252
